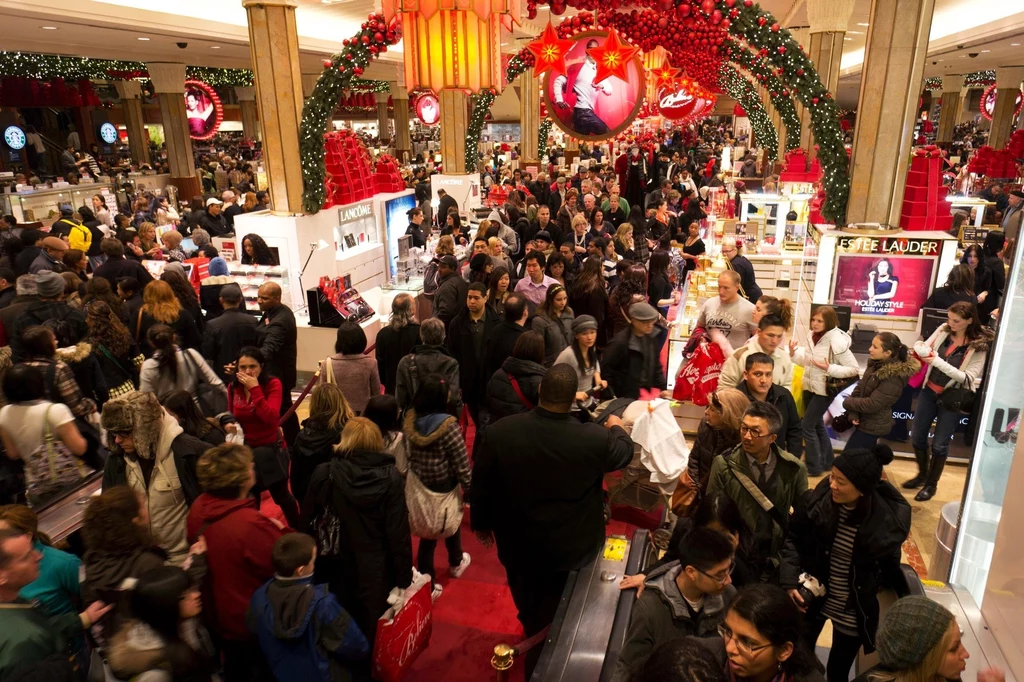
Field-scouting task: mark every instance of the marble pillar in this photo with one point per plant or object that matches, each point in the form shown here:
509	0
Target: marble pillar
130	93
529	117
897	44
400	101
829	21
1008	80
949	115
246	97
169	84
454	121
384	131
274	45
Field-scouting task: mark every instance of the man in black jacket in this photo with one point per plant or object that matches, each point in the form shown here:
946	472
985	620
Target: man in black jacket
27	293
7	288
118	267
276	336
212	220
537	492
228	333
466	336
450	295
50	308
502	339
444	202
31	241
632	360
758	386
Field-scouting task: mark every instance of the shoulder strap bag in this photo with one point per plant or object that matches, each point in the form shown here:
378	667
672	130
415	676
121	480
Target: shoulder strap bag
130	383
835	385
519	393
432	516
758	495
51	467
212	399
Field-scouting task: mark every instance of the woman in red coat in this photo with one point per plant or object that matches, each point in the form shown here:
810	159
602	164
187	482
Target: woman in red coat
254	398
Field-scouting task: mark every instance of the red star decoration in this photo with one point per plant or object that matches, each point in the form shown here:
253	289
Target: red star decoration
612	58
549	51
666	75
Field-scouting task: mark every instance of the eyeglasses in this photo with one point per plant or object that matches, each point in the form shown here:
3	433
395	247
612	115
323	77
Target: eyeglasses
745	646
752	432
720	580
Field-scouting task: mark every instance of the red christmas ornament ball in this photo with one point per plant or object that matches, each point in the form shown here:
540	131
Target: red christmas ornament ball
748	3
327	63
365	40
725	24
378	37
782	49
761	21
716	17
775	28
814	100
684	10
357	70
707	6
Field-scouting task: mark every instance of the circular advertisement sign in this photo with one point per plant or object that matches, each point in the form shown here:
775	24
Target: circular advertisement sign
204	110
108	133
428	109
988	102
15	137
589	109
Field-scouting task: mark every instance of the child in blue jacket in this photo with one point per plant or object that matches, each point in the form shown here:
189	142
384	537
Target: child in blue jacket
302	629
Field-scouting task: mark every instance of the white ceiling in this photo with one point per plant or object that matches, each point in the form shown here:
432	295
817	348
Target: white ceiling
216	32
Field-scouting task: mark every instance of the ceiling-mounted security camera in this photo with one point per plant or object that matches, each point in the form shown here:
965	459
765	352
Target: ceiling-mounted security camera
182	45
972	55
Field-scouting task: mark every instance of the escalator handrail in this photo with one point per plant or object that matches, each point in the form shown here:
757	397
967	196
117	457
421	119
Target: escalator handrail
635	563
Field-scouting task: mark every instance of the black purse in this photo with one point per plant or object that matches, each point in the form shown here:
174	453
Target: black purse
958	398
836	385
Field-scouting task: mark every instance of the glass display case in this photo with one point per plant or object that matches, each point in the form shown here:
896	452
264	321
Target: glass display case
43	205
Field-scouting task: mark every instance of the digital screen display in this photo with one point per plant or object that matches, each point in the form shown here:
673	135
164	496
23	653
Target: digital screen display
886	286
396	220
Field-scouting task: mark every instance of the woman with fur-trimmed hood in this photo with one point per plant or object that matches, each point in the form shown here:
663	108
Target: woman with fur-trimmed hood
151	453
869	407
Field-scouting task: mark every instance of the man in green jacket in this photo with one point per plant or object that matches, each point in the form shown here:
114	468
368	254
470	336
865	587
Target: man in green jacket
31	642
764	481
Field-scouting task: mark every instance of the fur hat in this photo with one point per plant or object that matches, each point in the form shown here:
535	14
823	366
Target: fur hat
138	413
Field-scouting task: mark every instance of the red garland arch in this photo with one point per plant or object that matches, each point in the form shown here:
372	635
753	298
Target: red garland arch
218	109
989	92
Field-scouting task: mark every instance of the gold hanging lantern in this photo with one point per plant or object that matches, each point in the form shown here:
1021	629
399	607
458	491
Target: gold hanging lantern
453	44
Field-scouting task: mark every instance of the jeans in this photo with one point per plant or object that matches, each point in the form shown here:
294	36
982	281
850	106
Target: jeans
861	441
929	410
425	554
843	653
586	122
817	444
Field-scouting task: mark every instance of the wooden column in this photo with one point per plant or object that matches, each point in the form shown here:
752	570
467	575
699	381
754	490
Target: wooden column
169	84
454	121
1008	81
949	115
529	117
130	93
897	44
274	45
246	97
400	101
384	132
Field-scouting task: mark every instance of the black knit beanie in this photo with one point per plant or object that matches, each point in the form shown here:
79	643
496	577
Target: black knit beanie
864	467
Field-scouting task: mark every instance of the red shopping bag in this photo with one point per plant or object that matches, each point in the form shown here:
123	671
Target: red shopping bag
698	378
403	636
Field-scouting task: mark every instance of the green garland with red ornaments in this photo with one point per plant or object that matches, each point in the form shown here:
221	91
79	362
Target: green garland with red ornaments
374	37
781	99
742	90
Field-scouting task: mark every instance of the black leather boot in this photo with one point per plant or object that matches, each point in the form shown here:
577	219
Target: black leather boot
931	485
922	470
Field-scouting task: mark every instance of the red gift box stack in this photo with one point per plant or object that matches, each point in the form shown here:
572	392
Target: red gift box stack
797	169
349	176
999	163
386	177
924	199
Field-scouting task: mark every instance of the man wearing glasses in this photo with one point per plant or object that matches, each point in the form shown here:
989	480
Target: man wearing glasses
684	598
759	385
763	480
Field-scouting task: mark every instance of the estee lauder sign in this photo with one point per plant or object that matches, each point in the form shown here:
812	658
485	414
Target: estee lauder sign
892	246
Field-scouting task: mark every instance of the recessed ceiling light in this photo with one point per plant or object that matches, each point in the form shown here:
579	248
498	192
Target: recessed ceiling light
1014	44
214	47
142	39
856	33
863	24
48	28
847	38
986	50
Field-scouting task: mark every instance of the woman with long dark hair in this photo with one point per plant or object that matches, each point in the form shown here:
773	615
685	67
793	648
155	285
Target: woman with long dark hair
182	406
256	252
957	360
166	636
974	257
116	352
641	245
632	289
499	288
992	249
553	322
693	246
174	275
659	285
959	286
99	289
761	639
589	296
254	397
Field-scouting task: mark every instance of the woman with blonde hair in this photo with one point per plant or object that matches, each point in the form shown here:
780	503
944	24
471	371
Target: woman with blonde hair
624	242
149	243
161	306
919	641
321	432
361	496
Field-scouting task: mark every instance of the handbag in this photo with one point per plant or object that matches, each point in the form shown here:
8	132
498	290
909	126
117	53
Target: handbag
51	467
131	382
958	398
841	423
686	496
328	533
432	516
836	385
403	633
212	399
